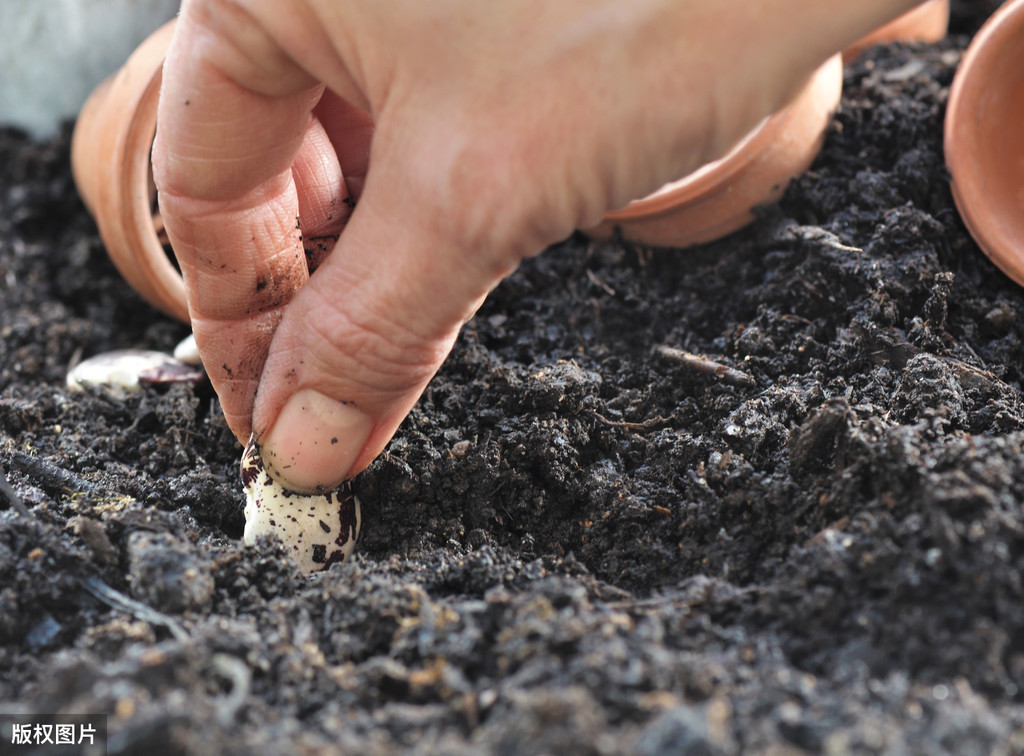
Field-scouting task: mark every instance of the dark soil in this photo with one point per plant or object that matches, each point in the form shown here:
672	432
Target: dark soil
576	543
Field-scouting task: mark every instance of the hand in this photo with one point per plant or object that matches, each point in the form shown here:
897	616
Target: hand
467	135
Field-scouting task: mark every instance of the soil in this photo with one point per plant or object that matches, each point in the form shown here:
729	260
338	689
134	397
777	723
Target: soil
577	543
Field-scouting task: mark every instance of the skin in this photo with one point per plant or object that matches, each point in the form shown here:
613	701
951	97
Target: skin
467	135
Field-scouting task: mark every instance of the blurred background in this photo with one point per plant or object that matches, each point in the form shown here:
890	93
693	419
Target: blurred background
54	52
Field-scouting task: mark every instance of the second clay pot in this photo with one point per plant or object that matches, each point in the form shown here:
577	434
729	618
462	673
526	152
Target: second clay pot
928	22
722	196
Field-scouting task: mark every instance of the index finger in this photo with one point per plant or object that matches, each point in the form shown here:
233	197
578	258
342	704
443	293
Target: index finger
222	162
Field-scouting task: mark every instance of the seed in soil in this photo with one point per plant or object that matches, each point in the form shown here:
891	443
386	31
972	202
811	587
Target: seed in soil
127	370
186	351
316	529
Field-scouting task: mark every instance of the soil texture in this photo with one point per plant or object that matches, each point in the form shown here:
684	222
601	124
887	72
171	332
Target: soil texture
582	540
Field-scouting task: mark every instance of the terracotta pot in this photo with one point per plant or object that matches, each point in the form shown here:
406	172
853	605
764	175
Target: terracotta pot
984	139
721	197
928	22
110	152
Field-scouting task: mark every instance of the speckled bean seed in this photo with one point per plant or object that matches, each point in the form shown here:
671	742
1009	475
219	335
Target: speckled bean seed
316	529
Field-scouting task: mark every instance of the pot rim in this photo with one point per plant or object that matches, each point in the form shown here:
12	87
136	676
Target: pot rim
710	178
111	159
163	277
970	187
926	22
717	176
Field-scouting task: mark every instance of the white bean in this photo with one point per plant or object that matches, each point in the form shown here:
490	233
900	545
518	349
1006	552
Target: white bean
316	529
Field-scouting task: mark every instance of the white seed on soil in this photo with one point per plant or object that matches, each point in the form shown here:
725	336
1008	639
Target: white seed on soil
187	351
126	370
316	529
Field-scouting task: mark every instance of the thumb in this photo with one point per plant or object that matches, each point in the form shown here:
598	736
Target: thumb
361	340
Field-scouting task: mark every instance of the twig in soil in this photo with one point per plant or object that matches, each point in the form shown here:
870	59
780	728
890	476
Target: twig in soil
703	366
51	477
237	673
600	284
815	235
648	424
660	602
118	600
13	500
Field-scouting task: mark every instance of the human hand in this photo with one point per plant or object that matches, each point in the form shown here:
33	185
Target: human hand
472	135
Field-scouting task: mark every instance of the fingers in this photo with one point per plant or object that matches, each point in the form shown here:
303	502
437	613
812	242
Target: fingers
359	343
350	131
329	172
222	162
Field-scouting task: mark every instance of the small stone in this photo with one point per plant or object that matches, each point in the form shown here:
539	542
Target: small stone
187	351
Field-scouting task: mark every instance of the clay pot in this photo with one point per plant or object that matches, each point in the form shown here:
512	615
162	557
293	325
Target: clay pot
722	196
928	22
110	158
984	139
